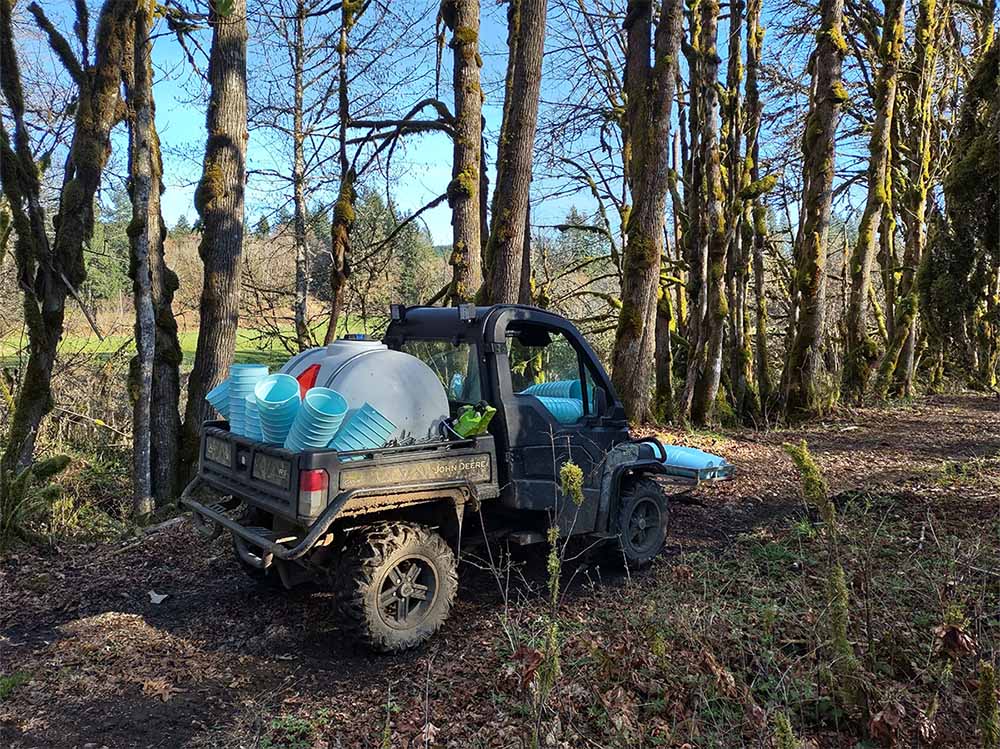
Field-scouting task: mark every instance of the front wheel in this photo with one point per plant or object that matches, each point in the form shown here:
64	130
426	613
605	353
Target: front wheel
397	585
642	523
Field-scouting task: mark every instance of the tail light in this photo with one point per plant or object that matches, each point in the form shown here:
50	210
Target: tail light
314	487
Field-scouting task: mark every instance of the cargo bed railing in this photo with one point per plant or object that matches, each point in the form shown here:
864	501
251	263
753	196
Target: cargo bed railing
318	528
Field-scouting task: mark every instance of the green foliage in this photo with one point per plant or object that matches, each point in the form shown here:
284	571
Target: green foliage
25	490
10	682
784	736
571	481
182	228
989	714
106	258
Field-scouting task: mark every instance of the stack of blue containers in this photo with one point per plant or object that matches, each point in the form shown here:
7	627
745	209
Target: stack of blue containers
219	398
242	380
270	408
278	403
317	421
364	429
253	430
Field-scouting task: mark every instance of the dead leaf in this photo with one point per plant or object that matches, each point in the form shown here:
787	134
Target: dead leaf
954	641
157	598
530	660
158	688
884	726
682	572
428	733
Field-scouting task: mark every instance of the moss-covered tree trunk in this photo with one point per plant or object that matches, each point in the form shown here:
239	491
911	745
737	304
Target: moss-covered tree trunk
147	234
709	370
49	273
861	350
758	214
143	231
303	338
663	405
649	93
462	18
695	247
219	201
803	391
897	363
515	149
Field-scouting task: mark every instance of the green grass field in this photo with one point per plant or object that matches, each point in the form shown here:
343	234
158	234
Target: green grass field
252	346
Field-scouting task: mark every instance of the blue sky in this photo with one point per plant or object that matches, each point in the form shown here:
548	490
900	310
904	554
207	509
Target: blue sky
425	168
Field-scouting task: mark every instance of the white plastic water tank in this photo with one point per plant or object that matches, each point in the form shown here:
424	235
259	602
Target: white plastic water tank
404	389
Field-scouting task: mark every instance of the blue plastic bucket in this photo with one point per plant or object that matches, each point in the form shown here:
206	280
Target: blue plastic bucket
242	379
555	389
219	398
563	410
278	403
691	457
322	412
252	422
364	429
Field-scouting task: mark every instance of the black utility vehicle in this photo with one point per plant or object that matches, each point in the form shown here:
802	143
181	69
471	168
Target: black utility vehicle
385	526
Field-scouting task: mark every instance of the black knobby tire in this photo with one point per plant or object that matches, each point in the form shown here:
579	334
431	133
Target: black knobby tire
643	520
396	585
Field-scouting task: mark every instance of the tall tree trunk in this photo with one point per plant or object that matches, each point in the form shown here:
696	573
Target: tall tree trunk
343	210
804	367
219	201
695	248
464	190
164	396
758	213
649	93
524	294
861	349
144	231
663	406
300	312
515	148
741	369
709	370
49	273
897	363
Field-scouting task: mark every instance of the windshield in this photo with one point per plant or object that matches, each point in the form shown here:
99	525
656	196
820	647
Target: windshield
455	364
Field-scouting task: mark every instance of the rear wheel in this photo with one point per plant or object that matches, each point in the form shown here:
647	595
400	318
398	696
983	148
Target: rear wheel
642	522
397	585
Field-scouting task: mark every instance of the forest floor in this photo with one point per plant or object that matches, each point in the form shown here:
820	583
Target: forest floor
726	630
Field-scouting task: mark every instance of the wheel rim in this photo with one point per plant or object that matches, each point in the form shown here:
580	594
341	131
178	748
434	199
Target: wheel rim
644	525
407	592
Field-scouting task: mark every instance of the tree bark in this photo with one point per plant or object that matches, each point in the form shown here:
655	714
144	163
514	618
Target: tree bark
462	19
897	363
758	213
649	97
861	349
219	201
515	149
144	231
49	273
343	210
149	228
300	312
804	367
709	365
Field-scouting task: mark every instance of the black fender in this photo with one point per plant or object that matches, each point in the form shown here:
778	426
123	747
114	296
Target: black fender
621	474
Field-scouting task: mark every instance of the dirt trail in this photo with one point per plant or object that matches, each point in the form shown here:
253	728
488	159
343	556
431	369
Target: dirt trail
212	663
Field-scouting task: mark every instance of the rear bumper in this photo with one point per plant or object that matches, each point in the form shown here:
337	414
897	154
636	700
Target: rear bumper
215	519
